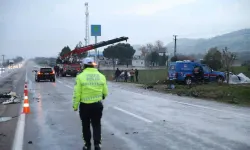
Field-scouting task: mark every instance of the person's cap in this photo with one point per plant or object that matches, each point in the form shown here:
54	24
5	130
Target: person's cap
88	61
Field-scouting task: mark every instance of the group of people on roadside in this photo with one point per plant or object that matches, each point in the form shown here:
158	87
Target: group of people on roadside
124	75
58	70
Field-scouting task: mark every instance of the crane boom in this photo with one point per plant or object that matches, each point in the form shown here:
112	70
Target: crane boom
94	46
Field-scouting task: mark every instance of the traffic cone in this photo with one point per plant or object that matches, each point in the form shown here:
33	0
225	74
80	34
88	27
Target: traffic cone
26	105
26	89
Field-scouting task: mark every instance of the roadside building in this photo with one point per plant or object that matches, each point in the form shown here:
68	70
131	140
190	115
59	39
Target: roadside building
138	63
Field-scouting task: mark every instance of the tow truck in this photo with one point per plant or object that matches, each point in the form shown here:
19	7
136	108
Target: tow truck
70	62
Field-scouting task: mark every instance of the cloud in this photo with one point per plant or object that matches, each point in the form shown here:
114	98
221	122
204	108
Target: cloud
148	9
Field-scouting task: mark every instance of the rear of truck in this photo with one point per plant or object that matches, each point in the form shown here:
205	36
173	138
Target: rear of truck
71	69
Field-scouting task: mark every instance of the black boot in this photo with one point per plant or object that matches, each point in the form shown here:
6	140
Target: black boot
86	148
97	147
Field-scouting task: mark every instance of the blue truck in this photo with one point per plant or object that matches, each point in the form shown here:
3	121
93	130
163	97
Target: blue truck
182	71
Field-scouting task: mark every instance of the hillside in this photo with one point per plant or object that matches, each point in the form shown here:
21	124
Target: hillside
237	41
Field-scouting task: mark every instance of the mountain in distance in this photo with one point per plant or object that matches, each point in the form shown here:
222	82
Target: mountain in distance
237	41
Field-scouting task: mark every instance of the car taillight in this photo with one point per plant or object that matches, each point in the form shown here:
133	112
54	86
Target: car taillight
52	72
39	73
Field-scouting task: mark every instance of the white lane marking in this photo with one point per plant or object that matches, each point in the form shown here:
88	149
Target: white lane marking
210	108
204	107
26	76
69	86
65	84
131	114
19	133
18	141
59	81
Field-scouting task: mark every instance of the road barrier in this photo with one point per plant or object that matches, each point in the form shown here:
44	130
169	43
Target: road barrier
26	89
26	105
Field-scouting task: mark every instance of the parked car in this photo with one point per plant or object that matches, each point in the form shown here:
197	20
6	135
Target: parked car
182	71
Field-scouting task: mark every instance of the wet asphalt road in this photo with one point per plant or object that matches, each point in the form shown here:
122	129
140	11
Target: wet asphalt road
134	119
11	81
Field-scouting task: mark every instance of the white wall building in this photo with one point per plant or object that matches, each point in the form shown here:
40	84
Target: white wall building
138	63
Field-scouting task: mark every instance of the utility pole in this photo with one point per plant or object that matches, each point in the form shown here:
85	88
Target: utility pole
3	59
175	44
87	25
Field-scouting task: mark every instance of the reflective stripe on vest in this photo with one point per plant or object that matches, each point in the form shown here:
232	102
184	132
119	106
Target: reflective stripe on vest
92	98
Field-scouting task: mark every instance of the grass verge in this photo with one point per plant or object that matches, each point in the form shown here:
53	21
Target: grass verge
234	94
241	69
144	76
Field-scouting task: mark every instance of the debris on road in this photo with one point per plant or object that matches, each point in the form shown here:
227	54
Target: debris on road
12	98
5	96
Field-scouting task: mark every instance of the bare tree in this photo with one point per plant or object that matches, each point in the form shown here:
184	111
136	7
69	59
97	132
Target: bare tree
227	60
159	46
143	50
150	47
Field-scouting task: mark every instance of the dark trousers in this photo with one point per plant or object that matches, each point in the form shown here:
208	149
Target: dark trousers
132	79
117	78
125	79
91	114
136	78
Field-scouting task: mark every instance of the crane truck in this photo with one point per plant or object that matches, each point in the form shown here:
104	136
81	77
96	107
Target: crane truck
70	62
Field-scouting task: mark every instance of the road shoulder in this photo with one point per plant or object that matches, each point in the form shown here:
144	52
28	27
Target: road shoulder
7	129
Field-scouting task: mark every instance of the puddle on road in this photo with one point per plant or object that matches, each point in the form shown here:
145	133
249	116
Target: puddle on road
4	119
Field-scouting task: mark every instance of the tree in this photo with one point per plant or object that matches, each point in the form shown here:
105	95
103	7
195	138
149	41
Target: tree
159	47
227	60
58	60
174	59
163	60
18	59
153	58
110	52
82	55
180	57
120	51
143	50
65	50
124	51
213	58
150	47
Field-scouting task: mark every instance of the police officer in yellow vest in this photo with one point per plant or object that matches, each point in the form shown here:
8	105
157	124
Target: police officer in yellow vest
90	89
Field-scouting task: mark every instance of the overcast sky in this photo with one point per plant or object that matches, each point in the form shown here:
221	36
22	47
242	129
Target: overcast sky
42	27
